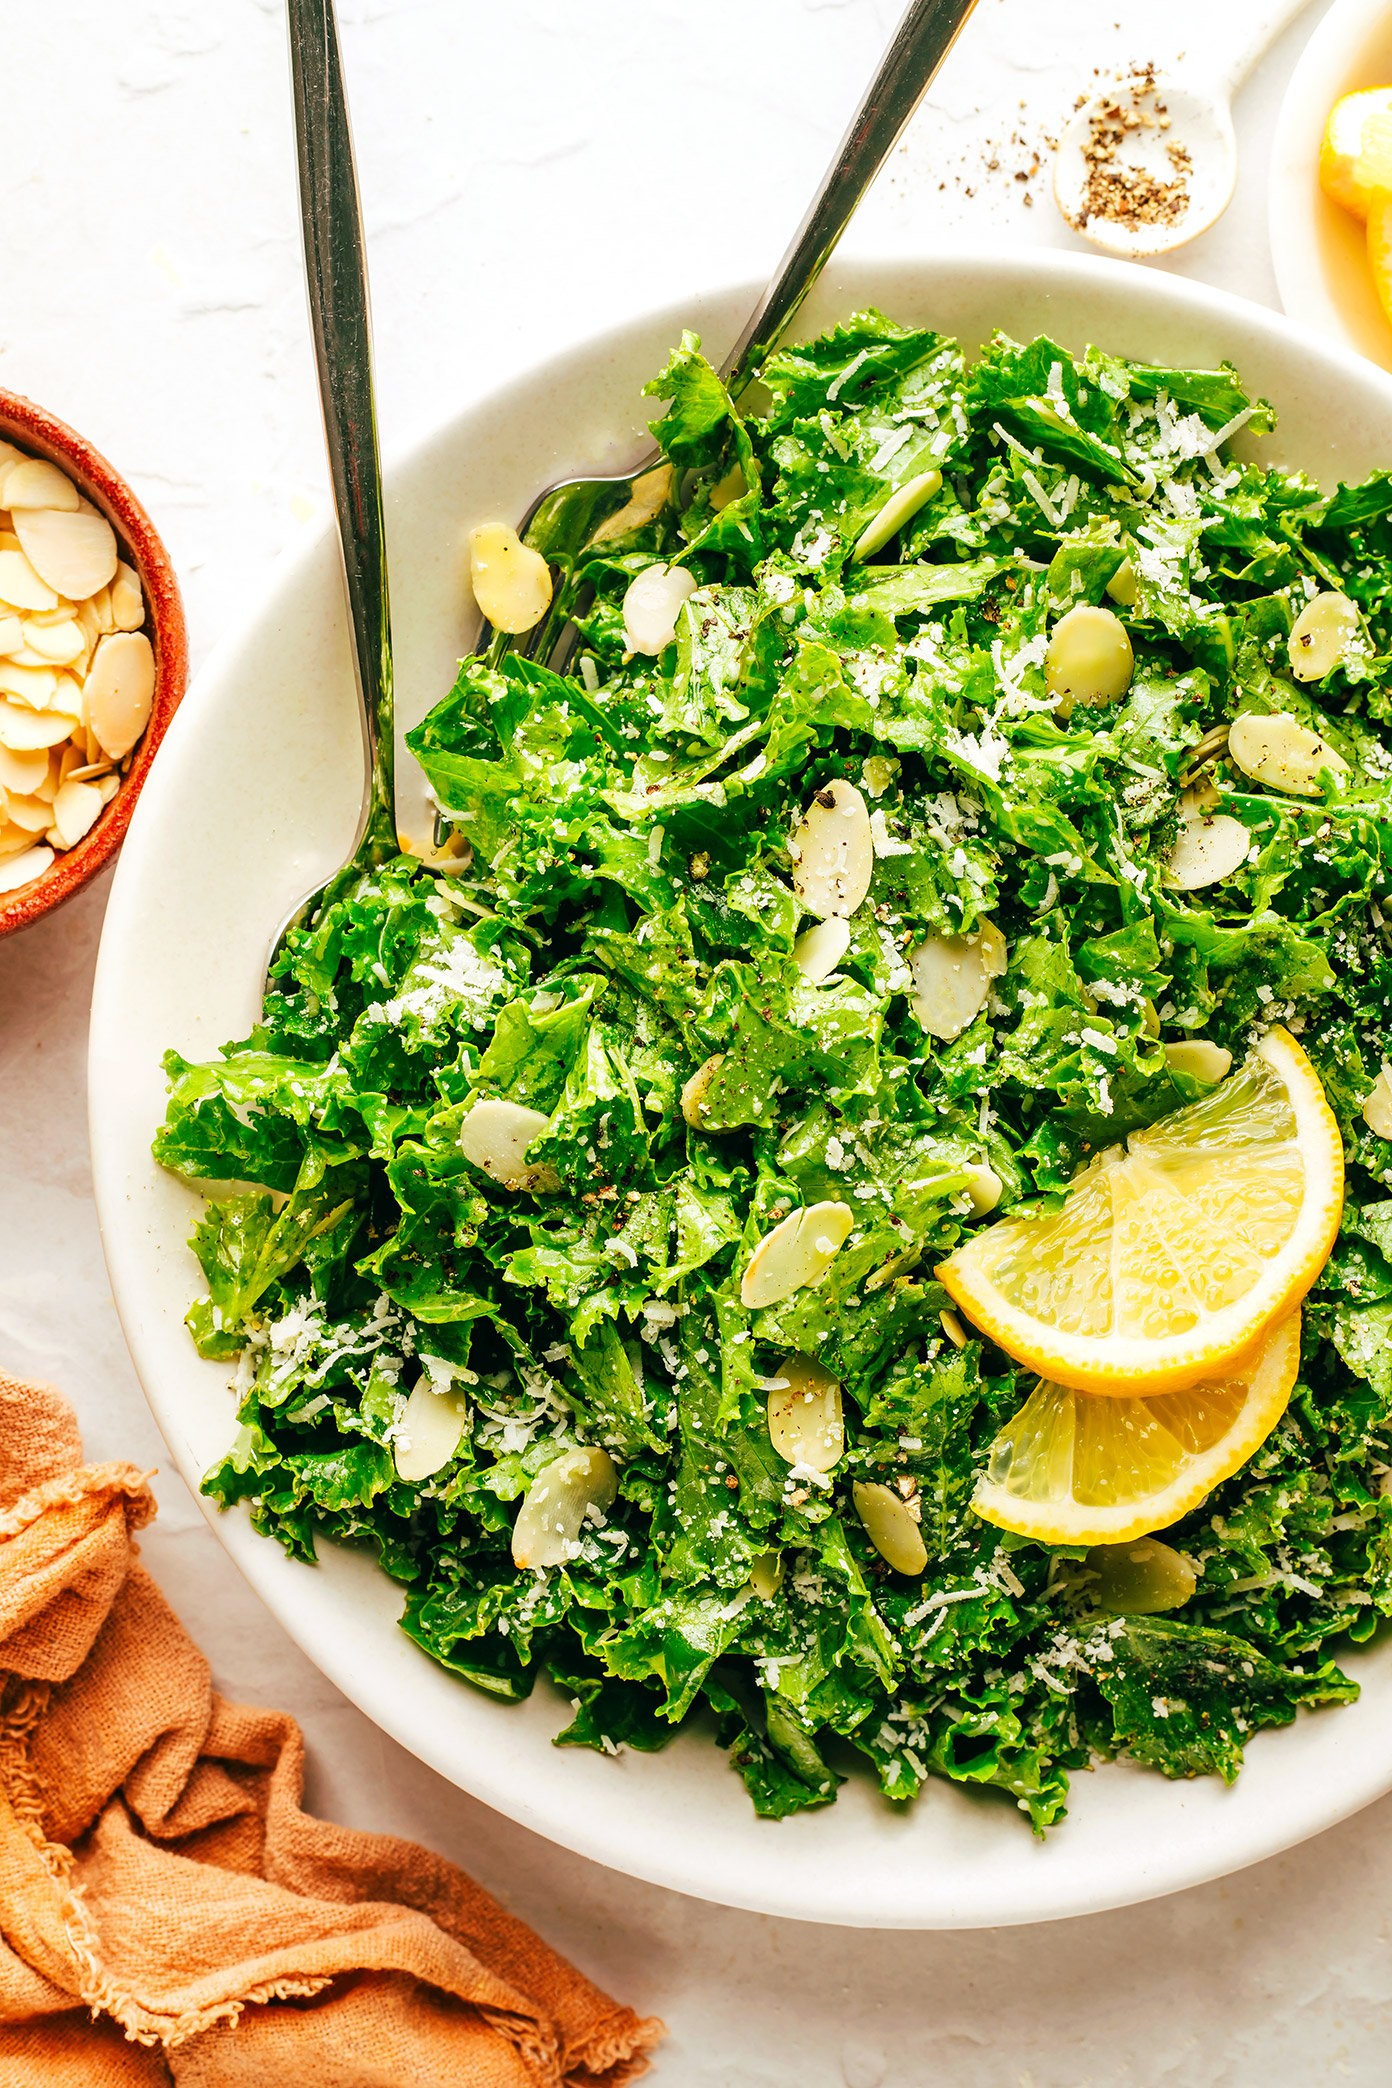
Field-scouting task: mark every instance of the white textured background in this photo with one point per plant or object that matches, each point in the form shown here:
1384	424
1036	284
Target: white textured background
532	171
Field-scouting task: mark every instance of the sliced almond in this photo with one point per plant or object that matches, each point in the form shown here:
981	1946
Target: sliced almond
22	772
30	814
22	869
833	851
1089	658
127	598
795	1254
891	1525
1200	1058
766	1575
1321	636
11	635
35	483
902	505
1209	845
22	729
83	771
651	492
108	786
119	689
820	948
67	697
1210	747
898	1265
84	736
21	586
1141	1579
556	1504
34	686
76	809
1377	1104
74	553
805	1420
652	605
495	1136
1122	585
47	786
1282	753
984	1187
86	615
693	1095
428	1432
13	839
62	642
952	976
511	581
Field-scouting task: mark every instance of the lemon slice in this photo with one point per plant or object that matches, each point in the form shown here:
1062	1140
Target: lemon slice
1071	1468
1172	1253
1350	137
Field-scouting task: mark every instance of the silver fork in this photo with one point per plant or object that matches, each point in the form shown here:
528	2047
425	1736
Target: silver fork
566	517
340	318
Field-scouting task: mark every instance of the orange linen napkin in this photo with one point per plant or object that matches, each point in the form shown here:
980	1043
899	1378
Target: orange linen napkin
168	1913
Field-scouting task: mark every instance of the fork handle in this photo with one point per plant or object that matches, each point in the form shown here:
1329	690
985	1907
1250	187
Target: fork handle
919	45
336	276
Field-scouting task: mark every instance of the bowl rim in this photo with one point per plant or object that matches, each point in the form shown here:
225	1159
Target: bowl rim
33	427
683	1863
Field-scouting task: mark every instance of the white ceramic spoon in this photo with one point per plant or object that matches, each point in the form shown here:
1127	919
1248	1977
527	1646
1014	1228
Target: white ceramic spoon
1199	109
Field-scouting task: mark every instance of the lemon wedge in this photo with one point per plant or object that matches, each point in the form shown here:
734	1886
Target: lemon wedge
1352	154
1380	249
1171	1254
1071	1468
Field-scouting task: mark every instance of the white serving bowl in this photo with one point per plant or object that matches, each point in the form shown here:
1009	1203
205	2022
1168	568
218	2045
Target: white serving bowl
254	799
1317	249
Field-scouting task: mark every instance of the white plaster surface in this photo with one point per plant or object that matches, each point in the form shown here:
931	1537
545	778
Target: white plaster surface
531	172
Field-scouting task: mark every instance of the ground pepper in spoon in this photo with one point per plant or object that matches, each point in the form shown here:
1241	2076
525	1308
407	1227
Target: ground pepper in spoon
1150	161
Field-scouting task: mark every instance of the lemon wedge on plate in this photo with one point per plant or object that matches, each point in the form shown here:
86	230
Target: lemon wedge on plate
1380	248
1351	163
1071	1468
1172	1253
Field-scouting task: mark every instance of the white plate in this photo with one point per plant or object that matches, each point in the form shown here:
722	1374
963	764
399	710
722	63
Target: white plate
1317	249
254	796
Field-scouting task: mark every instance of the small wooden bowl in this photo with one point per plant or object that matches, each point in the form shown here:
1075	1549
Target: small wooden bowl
31	428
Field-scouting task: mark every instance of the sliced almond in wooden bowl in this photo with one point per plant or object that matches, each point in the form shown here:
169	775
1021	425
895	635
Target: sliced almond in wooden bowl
74	554
119	689
81	568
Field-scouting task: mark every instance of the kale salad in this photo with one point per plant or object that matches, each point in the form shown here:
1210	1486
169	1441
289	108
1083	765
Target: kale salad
487	1180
